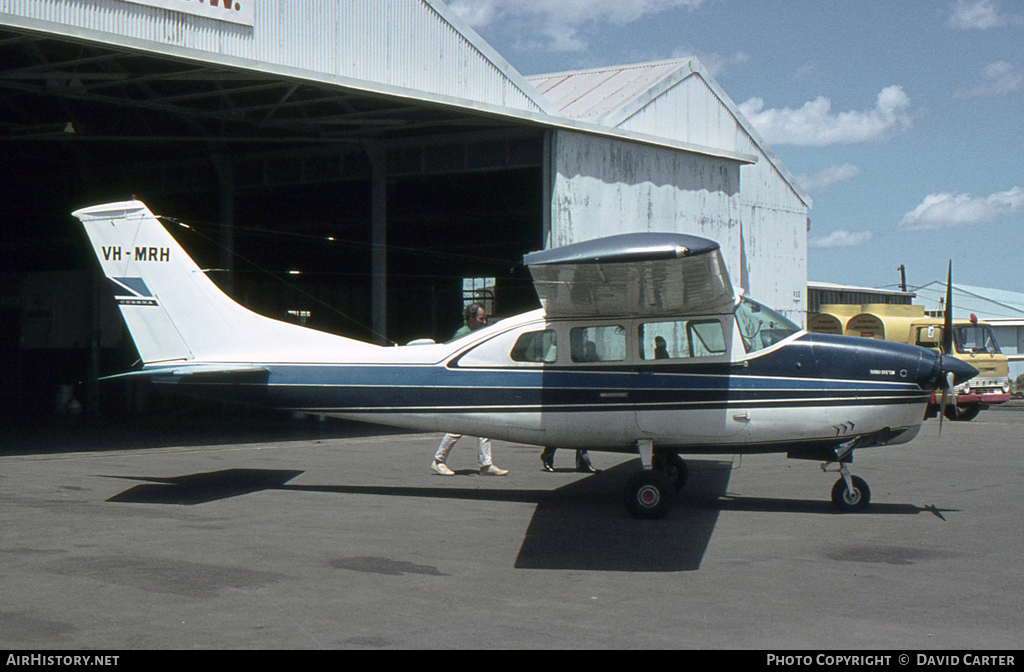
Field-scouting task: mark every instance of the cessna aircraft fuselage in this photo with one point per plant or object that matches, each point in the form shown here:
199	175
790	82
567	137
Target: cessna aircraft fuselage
641	347
512	381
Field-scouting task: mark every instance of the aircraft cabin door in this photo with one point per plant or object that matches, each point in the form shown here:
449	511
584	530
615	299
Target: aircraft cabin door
684	390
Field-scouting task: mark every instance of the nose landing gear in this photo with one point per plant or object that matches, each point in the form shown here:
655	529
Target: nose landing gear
850	494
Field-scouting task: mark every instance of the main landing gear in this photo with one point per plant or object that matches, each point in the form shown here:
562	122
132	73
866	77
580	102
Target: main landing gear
649	494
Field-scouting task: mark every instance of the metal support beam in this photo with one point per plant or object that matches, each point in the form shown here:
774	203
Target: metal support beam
547	188
378	244
226	177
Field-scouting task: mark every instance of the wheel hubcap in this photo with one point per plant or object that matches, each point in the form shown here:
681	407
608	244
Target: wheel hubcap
648	496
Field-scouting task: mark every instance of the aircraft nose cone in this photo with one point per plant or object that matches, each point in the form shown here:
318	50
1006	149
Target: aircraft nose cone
961	370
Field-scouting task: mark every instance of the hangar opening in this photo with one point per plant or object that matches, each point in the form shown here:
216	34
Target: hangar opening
361	167
279	182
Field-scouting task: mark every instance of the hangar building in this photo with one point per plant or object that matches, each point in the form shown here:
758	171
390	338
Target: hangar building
353	165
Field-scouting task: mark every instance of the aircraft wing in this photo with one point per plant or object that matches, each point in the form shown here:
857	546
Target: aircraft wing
641	274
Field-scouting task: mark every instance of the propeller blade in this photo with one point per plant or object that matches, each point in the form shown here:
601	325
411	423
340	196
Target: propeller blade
948	391
947	347
951	382
942	409
947	324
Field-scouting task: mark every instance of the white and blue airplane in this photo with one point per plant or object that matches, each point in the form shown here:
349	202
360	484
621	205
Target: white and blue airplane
641	346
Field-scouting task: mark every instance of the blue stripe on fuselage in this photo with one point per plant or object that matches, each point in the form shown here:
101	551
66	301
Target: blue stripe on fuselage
811	370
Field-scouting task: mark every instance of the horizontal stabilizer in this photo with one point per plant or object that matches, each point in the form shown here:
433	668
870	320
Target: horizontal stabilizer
186	371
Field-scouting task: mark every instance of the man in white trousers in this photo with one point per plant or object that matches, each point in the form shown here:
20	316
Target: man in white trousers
476	317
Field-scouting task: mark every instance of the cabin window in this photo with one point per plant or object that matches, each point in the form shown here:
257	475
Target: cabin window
760	326
681	339
598	344
536	347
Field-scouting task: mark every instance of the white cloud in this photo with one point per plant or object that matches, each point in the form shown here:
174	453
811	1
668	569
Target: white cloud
997	79
980	15
829	176
939	211
806	71
716	63
719	63
815	125
476	12
840	238
556	24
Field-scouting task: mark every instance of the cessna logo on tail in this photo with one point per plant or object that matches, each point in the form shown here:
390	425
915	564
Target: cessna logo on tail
131	292
138	254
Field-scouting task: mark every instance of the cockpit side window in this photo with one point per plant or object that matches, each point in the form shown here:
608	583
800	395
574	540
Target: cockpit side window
761	327
536	347
598	344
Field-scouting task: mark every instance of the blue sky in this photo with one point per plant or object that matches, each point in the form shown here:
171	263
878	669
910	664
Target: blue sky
904	121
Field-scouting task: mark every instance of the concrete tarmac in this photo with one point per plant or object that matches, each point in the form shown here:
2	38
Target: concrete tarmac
179	536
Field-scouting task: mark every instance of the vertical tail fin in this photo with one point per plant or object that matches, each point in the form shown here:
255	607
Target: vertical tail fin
174	312
130	248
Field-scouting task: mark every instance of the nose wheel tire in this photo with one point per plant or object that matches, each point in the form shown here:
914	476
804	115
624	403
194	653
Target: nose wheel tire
649	495
849	500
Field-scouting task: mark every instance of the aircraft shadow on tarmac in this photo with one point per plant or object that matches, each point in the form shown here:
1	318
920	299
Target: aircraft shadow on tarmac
582	525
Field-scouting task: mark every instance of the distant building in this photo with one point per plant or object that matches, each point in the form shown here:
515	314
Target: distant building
819	293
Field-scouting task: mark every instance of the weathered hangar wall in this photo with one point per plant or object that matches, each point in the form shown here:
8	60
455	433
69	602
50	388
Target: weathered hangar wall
774	225
771	216
602	187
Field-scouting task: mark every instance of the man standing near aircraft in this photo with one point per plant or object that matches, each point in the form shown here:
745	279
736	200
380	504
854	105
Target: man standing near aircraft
476	318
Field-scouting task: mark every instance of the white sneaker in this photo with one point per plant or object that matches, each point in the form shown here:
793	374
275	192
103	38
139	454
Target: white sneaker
491	470
441	468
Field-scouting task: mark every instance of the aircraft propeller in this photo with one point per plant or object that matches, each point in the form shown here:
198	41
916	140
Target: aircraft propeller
949	380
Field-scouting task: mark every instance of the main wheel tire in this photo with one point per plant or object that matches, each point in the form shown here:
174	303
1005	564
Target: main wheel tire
682	472
648	495
851	501
674	468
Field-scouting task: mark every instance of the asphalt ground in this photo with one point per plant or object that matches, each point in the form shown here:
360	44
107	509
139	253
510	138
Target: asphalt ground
280	535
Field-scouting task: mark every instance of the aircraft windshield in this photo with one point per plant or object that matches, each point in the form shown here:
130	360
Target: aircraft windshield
975	340
760	326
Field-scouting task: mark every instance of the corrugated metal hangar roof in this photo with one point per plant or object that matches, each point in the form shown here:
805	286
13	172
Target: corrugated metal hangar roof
613	95
597	93
302	69
332	70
